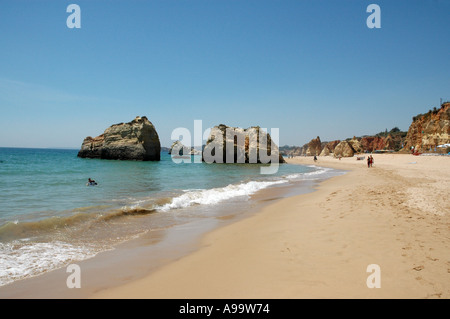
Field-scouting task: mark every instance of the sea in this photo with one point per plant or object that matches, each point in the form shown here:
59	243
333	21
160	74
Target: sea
50	217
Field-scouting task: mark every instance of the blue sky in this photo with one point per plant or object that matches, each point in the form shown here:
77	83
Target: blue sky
309	68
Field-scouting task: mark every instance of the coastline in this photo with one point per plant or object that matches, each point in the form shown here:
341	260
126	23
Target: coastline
314	245
136	258
318	245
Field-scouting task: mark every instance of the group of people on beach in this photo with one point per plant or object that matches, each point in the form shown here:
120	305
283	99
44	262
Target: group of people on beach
369	161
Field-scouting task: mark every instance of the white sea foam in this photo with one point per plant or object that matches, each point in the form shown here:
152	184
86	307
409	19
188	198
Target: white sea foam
19	261
314	175
217	195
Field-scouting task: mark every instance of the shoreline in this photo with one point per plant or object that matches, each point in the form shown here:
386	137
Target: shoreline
319	245
136	258
314	245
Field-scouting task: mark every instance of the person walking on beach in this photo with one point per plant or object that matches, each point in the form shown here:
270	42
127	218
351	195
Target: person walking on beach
369	161
315	158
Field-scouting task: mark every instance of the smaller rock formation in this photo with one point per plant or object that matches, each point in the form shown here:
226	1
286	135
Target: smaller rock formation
329	148
344	149
179	148
325	152
356	145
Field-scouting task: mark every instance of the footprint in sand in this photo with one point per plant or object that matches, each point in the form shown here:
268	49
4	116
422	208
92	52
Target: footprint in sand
419	268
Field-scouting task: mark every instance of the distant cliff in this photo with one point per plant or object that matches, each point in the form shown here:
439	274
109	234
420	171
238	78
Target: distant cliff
426	132
429	130
136	140
384	141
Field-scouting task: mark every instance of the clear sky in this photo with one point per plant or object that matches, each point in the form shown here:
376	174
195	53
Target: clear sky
308	67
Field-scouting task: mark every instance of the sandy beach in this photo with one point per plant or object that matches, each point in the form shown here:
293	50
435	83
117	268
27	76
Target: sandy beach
319	245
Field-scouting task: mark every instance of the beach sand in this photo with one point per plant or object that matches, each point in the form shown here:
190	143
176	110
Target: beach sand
319	245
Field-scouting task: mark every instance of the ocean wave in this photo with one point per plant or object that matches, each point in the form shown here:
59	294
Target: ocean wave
15	230
316	174
217	195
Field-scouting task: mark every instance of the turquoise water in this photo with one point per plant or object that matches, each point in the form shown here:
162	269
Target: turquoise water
49	217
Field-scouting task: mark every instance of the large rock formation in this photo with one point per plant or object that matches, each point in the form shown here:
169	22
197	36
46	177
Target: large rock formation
236	145
136	140
344	149
314	147
429	130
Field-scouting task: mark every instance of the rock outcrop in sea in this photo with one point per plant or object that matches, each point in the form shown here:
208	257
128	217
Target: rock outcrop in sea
136	140
180	149
227	144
